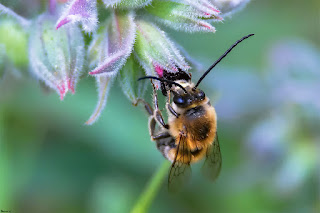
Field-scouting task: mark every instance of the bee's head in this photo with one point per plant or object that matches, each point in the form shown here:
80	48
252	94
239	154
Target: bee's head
185	99
184	92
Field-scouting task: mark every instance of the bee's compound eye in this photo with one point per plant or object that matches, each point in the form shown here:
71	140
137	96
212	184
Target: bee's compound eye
201	95
179	100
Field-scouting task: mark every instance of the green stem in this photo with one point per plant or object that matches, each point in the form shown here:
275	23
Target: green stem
147	196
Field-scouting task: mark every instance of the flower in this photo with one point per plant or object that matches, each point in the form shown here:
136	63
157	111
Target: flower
56	56
129	32
126	43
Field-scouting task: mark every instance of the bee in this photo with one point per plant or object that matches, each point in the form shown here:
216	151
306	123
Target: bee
191	132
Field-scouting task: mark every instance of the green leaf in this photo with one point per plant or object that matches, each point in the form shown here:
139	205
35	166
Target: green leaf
128	79
183	16
155	49
103	84
126	4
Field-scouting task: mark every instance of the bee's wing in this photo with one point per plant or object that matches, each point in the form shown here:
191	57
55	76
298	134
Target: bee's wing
180	169
212	165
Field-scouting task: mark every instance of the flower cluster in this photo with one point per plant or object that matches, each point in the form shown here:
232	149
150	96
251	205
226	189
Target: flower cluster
125	41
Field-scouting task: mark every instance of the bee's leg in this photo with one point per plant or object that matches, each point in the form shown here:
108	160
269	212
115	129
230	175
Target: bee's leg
161	136
170	108
157	113
151	122
152	126
146	106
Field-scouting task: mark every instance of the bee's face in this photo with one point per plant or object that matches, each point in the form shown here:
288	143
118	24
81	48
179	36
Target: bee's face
184	100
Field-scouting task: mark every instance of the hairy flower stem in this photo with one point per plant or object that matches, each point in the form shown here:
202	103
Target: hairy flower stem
147	196
22	21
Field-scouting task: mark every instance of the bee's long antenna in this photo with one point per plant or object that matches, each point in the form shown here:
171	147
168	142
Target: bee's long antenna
221	57
163	80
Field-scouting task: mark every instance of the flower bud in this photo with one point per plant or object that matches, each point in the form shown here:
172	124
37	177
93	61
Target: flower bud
155	51
84	11
109	51
187	15
113	44
56	56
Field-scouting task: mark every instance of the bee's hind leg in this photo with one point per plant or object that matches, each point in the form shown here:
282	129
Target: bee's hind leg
152	122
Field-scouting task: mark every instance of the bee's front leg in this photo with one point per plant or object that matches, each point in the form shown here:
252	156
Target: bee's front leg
169	107
157	113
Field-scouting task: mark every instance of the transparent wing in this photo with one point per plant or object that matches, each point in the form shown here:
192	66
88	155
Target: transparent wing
180	171
212	165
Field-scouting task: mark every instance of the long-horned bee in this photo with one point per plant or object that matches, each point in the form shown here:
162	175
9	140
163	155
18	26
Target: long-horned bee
191	132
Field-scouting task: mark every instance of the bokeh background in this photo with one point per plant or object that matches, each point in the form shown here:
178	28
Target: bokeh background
266	94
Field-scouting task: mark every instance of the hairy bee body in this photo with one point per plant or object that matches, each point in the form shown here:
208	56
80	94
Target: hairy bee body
191	132
198	124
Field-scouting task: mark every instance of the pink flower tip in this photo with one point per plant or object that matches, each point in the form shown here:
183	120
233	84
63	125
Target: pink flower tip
62	22
62	91
93	72
208	27
215	10
71	86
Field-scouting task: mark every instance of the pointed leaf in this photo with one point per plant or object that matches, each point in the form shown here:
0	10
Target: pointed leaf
84	11
117	45
183	16
129	83
126	4
204	6
103	84
154	50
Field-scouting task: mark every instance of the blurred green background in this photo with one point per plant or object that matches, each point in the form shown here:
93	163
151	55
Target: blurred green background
266	94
